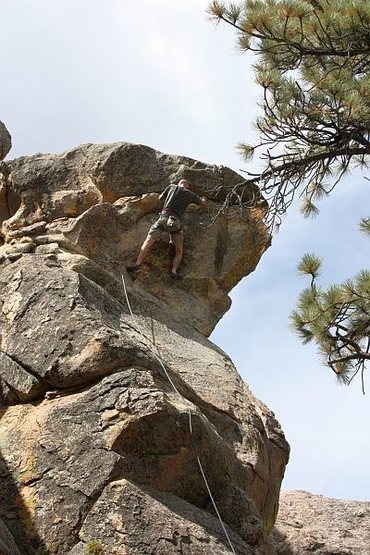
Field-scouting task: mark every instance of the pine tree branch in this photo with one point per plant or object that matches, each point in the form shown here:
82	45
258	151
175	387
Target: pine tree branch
304	161
305	51
361	355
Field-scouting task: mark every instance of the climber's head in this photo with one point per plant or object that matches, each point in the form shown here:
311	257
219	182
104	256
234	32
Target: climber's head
184	184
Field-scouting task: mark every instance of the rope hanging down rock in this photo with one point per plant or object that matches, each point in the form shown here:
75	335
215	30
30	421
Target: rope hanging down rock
186	402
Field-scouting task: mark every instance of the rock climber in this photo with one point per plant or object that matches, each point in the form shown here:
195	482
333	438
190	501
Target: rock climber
177	198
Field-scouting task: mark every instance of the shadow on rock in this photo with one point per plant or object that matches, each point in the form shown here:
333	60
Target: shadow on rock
17	532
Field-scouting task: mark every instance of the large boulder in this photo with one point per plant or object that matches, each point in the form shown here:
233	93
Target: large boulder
115	399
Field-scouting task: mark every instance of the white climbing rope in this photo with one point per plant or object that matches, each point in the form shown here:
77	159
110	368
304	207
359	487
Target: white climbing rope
208	488
142	335
158	358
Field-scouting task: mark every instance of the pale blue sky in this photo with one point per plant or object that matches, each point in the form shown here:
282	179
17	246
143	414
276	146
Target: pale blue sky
158	72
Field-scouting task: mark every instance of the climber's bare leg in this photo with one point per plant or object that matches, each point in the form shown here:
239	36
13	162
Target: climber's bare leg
145	249
178	242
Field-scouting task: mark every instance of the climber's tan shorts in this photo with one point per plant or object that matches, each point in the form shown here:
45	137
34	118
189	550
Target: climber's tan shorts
157	231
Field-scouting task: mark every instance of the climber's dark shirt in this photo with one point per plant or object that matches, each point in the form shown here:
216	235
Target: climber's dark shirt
178	199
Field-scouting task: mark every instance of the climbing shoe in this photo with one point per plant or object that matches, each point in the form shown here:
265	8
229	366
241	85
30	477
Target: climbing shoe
133	268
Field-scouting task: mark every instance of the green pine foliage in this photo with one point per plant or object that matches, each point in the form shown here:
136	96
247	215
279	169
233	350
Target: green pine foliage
313	67
365	226
337	319
310	264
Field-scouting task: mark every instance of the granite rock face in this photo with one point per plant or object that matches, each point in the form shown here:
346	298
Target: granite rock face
98	201
98	396
312	524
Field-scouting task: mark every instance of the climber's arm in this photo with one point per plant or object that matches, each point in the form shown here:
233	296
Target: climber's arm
163	195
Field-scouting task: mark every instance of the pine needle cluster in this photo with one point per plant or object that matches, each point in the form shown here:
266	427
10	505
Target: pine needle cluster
337	319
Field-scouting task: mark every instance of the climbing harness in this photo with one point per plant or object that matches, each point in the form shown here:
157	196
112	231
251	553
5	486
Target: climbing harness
186	402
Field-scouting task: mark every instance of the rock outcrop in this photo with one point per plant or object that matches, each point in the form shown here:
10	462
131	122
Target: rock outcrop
5	141
312	524
97	454
9	202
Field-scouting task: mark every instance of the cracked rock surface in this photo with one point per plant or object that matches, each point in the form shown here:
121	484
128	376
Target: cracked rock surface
96	450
